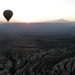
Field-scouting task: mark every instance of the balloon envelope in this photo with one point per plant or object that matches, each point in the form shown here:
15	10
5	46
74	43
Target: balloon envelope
8	14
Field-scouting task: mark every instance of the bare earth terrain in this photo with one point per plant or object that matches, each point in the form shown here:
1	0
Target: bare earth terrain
37	50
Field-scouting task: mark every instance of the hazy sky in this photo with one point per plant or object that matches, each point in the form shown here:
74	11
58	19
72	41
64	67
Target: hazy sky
38	10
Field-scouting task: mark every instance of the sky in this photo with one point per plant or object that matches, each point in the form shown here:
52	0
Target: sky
38	10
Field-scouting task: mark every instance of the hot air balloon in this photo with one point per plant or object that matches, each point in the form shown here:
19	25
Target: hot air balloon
8	14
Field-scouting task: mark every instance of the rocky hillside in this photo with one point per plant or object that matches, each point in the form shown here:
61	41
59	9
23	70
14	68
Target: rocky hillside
51	62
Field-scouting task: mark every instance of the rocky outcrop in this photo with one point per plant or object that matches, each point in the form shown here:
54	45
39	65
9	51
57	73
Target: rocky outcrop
57	62
65	67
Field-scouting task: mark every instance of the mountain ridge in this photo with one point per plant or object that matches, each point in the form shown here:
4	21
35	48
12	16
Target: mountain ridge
59	21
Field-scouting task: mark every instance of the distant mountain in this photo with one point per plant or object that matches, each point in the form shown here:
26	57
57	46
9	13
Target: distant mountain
59	21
